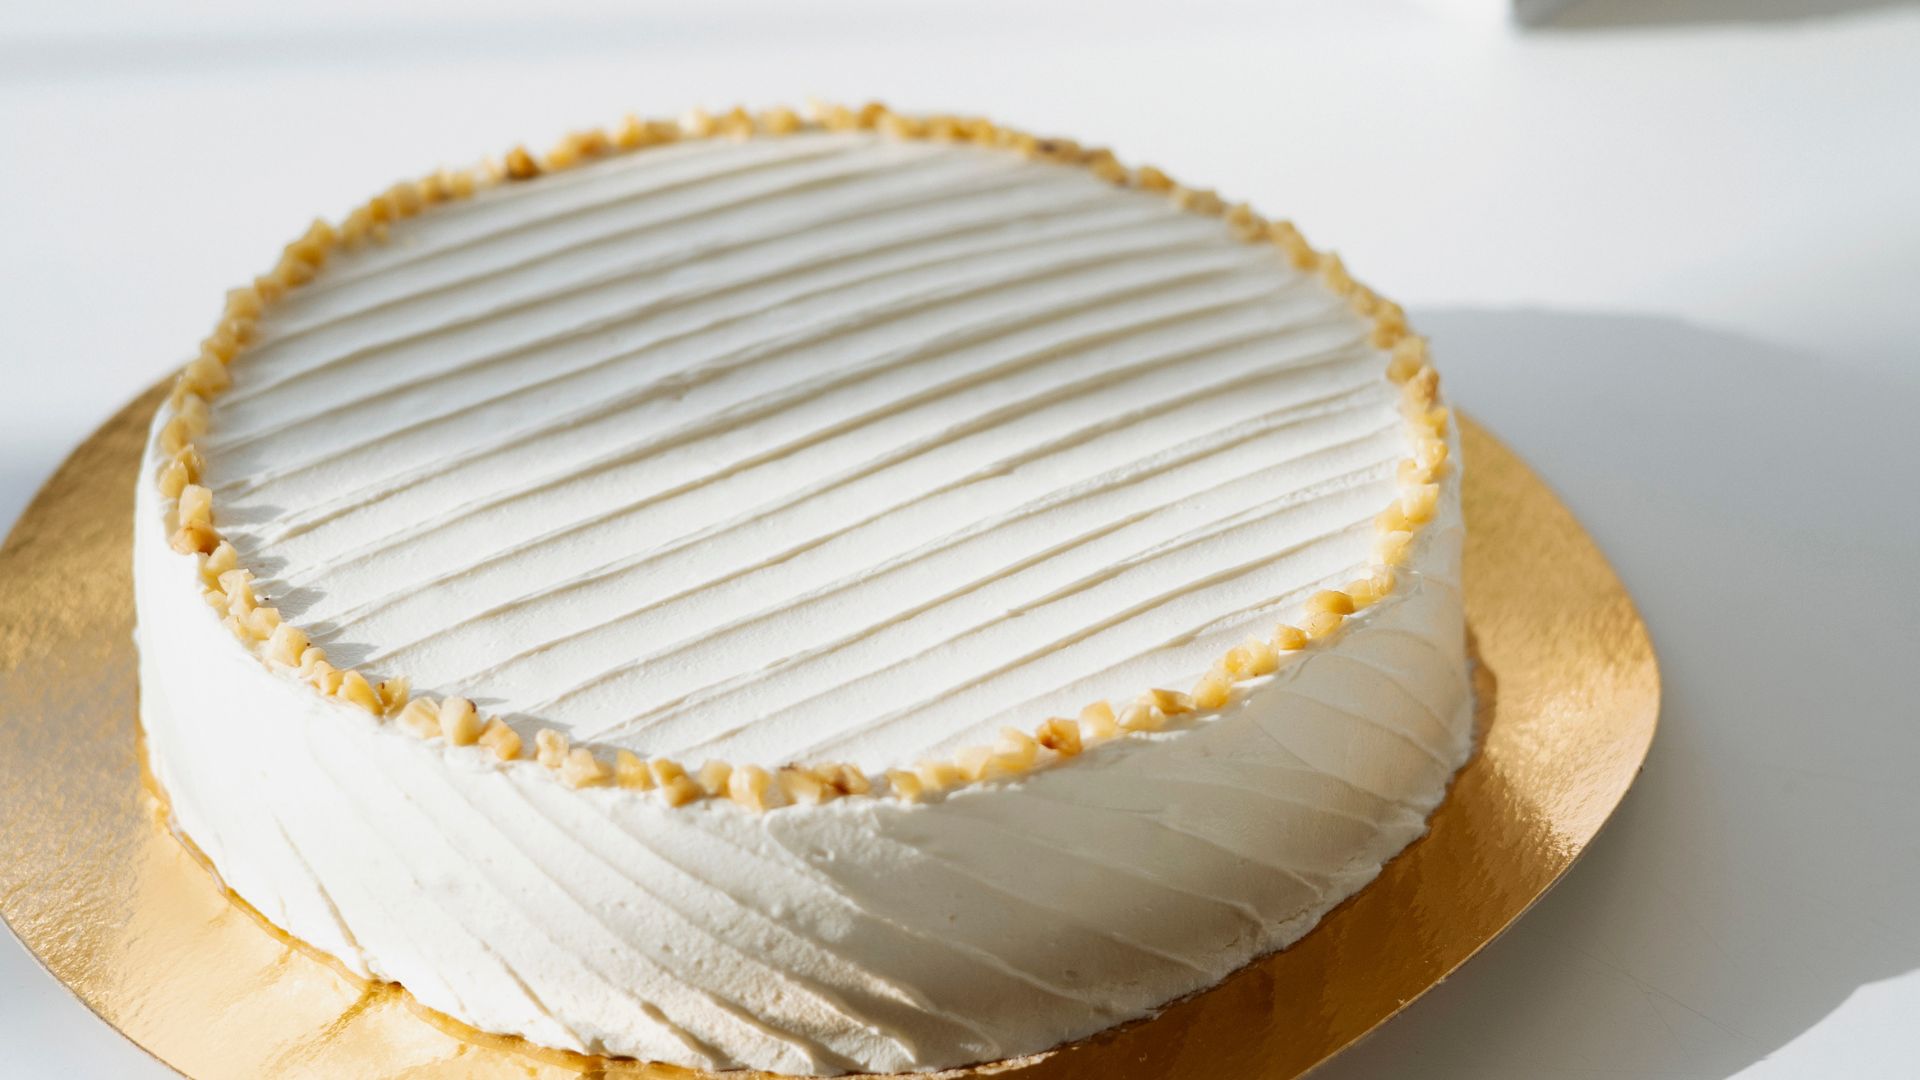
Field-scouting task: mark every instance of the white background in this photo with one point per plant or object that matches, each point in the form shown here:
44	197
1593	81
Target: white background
1669	249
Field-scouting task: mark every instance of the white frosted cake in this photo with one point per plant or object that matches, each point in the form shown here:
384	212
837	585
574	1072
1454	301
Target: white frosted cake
857	593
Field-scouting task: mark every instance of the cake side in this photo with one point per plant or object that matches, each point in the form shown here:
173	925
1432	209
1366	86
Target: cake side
869	934
786	912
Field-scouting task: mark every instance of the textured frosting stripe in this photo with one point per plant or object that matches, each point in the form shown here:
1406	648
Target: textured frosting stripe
829	444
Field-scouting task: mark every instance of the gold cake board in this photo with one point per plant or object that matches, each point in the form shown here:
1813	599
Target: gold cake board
120	912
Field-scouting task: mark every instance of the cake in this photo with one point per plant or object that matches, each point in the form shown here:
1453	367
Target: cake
866	592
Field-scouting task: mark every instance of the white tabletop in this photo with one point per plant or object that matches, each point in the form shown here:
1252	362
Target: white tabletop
1669	249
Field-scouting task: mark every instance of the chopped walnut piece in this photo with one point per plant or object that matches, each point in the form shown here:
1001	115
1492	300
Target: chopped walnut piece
564	155
631	133
1016	141
1060	735
261	622
1213	691
1370	590
1391	549
780	120
1331	600
1058	150
713	777
393	692
194	539
309	253
191	410
1392	519
243	303
176	435
801	786
549	747
1017	749
752	787
1322	624
975	762
937	776
1362	592
1334	273
459	721
195	505
737	124
1139	717
205	376
520	164
1417	504
1169	702
582	769
1287	238
189	458
905	786
901	126
286	645
1409	356
418	719
1251	659
293	272
835	117
1289	638
354	689
1432	421
680	791
1198	201
268	289
845	778
1389	323
590	143
631	772
1266	659
238	587
501	739
1423	386
221	345
1097	722
698	123
433	188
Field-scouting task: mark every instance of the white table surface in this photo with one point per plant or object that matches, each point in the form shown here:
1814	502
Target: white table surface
1669	249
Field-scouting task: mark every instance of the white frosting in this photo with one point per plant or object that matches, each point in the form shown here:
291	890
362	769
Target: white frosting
820	448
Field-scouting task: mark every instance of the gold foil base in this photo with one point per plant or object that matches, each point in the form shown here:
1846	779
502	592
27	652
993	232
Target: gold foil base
119	910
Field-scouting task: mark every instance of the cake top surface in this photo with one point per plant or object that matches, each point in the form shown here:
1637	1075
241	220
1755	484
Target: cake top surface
830	447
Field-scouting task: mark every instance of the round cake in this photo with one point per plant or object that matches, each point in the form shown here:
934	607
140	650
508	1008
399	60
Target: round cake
861	592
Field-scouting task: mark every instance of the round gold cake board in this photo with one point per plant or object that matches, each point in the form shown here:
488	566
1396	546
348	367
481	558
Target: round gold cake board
118	909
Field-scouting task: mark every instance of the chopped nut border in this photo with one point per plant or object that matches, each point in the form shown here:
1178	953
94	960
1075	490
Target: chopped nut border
228	587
